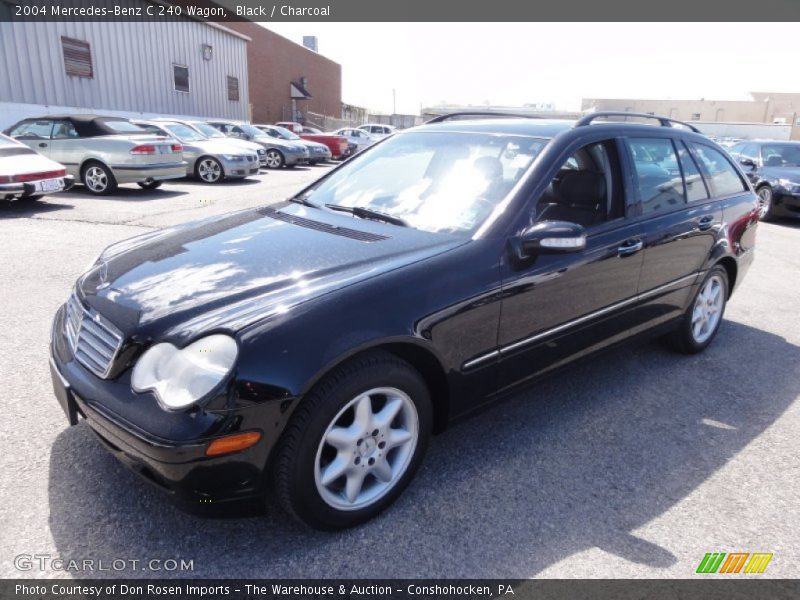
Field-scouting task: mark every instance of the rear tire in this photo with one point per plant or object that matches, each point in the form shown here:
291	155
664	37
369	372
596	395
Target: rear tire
354	442
98	178
701	321
149	185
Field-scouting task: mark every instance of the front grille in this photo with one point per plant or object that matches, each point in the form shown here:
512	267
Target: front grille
94	341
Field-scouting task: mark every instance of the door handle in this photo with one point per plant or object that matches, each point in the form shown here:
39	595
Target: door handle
705	223
630	247
42	145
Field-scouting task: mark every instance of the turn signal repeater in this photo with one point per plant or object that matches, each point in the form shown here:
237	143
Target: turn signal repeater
233	443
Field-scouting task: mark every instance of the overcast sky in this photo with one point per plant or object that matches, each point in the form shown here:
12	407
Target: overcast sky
514	64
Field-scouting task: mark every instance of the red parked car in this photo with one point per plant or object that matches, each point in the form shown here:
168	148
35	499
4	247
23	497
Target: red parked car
337	144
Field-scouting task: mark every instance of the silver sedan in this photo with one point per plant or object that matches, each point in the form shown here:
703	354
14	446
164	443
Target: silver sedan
208	160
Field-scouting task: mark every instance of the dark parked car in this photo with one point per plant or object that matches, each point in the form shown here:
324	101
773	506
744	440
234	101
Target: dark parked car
312	347
774	170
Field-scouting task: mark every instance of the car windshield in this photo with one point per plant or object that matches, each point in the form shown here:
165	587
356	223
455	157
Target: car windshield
433	181
123	126
285	133
313	130
250	130
208	131
184	133
781	155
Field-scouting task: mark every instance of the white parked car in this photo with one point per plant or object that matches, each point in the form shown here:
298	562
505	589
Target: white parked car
26	174
378	130
358	137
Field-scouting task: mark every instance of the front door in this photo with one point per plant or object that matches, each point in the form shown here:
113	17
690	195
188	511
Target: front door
557	307
34	133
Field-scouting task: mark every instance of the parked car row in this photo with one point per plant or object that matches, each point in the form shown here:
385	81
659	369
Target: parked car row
102	152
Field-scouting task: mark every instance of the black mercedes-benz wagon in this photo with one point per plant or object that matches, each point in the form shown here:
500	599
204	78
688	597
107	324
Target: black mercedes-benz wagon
310	348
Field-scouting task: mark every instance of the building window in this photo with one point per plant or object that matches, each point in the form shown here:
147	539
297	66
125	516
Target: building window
181	75
695	116
233	89
77	57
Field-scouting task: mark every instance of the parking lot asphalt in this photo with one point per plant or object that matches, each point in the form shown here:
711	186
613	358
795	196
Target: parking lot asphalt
635	465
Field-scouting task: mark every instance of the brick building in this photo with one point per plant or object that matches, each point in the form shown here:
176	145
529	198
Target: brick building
286	78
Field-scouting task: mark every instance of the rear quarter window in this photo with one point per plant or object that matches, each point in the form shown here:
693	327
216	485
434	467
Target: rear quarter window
722	176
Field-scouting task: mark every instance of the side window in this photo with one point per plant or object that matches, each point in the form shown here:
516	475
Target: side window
658	176
587	188
147	128
695	186
722	176
749	151
64	130
32	130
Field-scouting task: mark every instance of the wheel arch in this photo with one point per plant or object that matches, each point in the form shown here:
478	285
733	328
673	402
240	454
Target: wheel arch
420	357
730	266
91	159
204	156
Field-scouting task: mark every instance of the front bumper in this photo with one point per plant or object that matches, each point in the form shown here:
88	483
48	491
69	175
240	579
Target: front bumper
16	191
295	158
788	203
154	172
239	169
176	465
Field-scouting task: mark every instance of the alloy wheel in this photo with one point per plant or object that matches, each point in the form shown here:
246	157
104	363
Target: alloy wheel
764	201
209	170
274	159
707	309
366	449
96	179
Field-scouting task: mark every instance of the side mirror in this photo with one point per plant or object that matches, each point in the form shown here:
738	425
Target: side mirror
551	237
748	162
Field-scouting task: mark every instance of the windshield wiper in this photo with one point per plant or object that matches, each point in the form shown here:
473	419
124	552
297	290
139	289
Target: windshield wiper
303	200
368	213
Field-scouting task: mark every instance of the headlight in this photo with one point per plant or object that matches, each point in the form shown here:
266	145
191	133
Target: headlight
182	377
261	151
233	157
789	184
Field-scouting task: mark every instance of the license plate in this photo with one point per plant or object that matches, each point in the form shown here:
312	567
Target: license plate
50	185
63	394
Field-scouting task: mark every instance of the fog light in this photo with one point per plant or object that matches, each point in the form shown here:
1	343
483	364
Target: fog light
233	443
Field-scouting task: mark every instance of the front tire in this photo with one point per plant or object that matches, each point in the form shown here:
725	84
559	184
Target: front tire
209	170
766	203
275	159
98	179
700	323
354	443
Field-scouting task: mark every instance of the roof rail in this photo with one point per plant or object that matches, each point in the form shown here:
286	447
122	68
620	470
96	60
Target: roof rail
485	113
664	121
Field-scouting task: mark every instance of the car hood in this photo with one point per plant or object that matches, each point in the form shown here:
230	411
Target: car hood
229	272
309	144
279	143
792	173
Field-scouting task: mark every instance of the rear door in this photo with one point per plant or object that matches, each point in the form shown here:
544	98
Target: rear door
681	220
